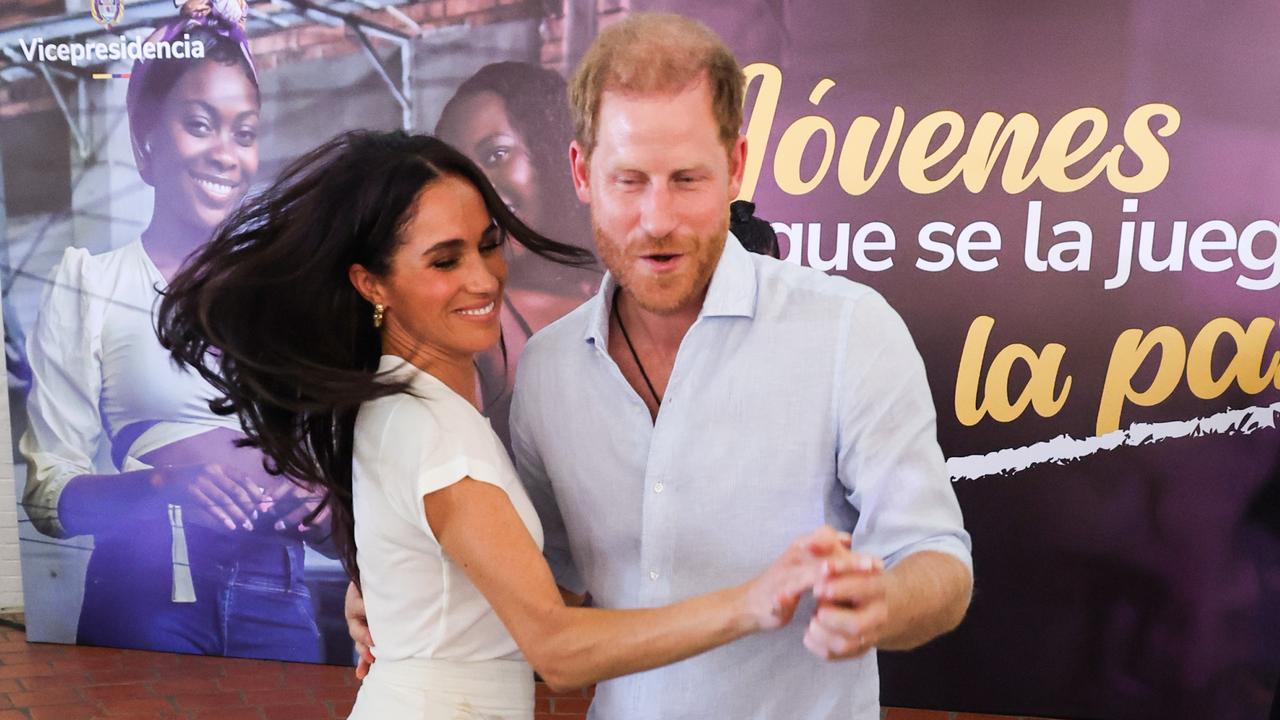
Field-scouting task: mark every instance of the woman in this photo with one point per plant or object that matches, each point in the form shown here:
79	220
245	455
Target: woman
364	385
512	119
196	548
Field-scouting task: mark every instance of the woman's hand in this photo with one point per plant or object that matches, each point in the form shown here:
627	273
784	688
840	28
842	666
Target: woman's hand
771	598
358	628
290	508
282	505
211	494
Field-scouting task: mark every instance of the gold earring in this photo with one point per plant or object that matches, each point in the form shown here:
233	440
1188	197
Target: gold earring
378	310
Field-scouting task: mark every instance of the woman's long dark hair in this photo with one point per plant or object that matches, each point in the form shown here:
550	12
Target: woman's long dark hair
265	311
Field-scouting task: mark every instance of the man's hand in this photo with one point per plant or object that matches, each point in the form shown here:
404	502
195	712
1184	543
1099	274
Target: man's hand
852	611
358	628
861	606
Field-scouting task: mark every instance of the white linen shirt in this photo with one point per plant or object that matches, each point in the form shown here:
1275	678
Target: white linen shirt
96	369
796	399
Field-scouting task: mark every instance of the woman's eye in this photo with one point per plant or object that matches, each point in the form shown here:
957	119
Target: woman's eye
497	156
495	242
445	264
198	127
246	137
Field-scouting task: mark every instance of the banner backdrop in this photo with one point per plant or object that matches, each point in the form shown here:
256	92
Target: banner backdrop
1071	204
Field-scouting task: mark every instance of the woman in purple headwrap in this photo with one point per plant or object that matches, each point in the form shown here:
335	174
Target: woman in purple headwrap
197	548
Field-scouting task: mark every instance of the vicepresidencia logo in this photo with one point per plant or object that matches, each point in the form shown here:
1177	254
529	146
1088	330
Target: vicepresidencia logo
106	12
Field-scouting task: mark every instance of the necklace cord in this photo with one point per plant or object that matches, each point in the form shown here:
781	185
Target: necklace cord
617	315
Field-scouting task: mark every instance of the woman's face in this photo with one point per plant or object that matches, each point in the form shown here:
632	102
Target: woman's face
443	291
204	148
478	125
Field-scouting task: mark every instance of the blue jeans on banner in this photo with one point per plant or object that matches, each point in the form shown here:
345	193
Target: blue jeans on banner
251	598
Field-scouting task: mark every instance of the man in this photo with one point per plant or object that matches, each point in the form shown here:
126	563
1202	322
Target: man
680	427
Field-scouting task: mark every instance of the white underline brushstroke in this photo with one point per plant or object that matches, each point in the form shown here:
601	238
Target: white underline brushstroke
1064	448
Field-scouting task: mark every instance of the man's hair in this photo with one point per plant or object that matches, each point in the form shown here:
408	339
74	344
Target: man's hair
656	53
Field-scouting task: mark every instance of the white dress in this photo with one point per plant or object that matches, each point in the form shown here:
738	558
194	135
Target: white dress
442	653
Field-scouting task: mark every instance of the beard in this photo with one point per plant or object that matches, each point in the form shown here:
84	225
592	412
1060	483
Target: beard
670	292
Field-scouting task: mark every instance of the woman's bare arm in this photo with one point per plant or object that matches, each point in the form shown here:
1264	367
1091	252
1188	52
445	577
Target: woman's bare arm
479	529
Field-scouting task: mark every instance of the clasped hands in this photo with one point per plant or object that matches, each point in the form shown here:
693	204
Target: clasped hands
223	486
848	587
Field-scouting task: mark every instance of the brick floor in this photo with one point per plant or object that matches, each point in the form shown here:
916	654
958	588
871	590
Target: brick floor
60	682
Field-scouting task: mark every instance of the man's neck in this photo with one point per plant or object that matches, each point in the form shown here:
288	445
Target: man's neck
664	330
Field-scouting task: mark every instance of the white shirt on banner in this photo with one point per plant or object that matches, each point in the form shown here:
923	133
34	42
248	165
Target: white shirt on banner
96	369
796	399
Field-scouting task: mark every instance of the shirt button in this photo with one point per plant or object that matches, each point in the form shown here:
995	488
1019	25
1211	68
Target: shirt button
653	574
657	487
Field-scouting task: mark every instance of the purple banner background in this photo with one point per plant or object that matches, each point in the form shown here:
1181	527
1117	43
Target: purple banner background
1137	582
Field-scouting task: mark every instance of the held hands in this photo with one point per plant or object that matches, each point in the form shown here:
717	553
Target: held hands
852	612
849	587
772	597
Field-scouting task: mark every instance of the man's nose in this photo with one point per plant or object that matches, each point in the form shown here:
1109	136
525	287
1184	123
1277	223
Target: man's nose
658	212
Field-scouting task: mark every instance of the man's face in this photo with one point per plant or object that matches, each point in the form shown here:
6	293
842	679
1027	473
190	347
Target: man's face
659	183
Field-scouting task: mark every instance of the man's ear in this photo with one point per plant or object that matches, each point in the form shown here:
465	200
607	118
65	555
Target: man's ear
580	166
737	166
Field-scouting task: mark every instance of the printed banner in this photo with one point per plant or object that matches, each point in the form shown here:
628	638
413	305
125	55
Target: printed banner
1071	204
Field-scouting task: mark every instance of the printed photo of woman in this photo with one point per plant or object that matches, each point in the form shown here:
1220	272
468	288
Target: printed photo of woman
197	549
512	120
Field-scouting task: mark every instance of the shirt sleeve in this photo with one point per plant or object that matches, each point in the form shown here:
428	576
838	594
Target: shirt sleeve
533	474
64	428
889	461
420	454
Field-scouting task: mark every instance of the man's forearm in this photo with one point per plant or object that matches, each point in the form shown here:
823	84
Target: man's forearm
927	594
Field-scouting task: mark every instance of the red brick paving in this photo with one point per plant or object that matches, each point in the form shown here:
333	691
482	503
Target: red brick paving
61	682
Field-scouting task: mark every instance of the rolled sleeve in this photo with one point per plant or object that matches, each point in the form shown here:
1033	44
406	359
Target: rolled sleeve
64	426
889	460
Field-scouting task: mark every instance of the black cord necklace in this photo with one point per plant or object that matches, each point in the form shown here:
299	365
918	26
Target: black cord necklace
634	356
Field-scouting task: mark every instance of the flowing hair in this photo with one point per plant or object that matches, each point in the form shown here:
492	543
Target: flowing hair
265	311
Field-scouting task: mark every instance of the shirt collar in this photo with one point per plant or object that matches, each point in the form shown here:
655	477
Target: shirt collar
732	292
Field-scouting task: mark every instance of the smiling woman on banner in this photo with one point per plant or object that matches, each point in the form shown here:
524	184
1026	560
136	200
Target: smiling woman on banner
196	548
512	119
